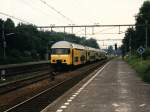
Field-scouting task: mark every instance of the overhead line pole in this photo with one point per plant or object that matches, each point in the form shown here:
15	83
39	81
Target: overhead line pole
64	33
85	31
72	30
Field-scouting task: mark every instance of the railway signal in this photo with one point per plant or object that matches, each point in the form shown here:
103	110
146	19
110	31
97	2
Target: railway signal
115	47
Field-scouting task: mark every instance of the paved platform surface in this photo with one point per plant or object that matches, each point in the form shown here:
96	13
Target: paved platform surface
114	88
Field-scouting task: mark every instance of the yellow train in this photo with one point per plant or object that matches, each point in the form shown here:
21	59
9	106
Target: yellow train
67	53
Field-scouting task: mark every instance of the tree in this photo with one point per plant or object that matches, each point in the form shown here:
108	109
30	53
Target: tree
92	43
142	17
135	37
129	40
110	49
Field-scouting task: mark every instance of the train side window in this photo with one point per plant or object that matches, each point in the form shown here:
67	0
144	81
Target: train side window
76	59
82	58
68	51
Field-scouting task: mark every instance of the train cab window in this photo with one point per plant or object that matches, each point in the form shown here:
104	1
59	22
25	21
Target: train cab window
60	51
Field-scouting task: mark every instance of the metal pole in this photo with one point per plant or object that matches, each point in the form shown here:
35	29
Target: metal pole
72	30
85	31
119	30
64	29
130	45
4	41
64	33
146	33
141	58
92	30
51	29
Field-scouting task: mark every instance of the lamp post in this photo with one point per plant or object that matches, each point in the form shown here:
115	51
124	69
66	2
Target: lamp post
146	34
4	40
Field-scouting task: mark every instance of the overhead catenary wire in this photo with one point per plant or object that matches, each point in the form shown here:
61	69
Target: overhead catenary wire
109	39
34	8
21	20
60	13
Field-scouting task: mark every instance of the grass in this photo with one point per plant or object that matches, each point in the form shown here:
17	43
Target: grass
141	66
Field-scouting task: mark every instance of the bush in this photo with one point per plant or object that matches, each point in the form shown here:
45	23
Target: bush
143	68
14	53
146	54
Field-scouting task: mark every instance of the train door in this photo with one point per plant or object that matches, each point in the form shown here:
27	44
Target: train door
72	56
75	57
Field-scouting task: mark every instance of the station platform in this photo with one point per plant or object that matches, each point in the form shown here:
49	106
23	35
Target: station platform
115	87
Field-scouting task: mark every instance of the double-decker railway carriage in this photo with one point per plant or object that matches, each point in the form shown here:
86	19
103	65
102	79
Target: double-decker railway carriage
66	53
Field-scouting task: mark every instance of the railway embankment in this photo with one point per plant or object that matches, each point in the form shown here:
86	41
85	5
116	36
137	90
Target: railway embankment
142	66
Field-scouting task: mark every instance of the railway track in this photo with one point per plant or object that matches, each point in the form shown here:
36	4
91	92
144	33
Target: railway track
20	75
20	69
11	86
42	99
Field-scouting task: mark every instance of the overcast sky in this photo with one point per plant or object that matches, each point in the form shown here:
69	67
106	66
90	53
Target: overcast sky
78	12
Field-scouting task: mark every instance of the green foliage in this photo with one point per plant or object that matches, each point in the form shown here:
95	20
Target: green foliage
135	37
91	42
142	67
146	54
110	50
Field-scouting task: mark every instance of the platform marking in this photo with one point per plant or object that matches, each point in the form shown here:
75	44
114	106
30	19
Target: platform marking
115	105
77	93
63	107
117	110
142	105
59	110
69	100
74	95
72	98
67	103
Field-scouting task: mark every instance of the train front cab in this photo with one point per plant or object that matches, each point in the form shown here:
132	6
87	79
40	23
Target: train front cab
61	56
68	56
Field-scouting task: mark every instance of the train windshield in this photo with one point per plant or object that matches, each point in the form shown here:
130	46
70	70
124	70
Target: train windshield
60	51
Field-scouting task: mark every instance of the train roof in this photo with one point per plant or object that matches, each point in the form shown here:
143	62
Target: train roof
92	49
66	44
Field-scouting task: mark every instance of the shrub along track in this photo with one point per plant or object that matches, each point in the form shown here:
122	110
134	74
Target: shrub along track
47	91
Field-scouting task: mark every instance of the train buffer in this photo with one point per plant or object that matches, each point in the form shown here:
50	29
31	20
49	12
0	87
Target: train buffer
112	89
